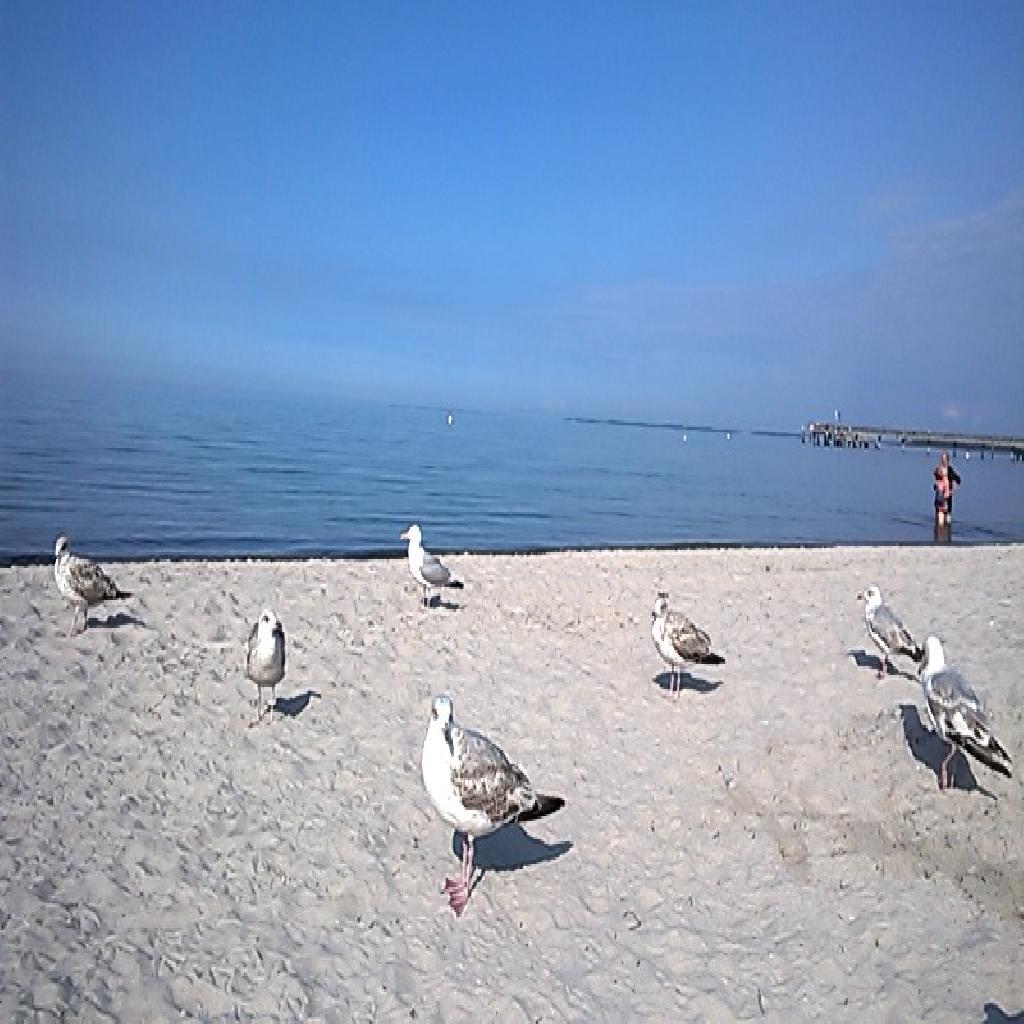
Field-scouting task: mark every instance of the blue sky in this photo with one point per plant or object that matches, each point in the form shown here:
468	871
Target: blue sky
748	213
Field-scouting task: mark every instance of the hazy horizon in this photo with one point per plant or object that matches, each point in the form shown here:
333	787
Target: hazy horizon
732	214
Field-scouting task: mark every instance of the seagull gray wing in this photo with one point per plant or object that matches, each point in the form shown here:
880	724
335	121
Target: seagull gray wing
90	582
959	716
487	781
948	693
433	571
886	626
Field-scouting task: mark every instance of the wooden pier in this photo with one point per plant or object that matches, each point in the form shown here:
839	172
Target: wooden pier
847	435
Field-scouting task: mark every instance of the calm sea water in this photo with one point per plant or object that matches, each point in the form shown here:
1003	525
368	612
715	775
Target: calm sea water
149	473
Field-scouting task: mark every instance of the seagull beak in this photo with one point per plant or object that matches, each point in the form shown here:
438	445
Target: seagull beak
404	535
860	596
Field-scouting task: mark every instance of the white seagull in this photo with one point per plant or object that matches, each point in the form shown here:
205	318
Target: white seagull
82	582
475	789
426	568
264	658
886	630
957	714
679	641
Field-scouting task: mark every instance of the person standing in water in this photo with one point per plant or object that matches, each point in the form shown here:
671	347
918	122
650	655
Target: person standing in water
953	480
941	489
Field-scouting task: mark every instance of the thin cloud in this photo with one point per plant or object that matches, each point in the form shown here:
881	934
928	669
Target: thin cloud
943	303
996	231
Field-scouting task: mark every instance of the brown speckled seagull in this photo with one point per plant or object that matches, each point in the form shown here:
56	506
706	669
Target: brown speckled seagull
82	582
679	641
475	788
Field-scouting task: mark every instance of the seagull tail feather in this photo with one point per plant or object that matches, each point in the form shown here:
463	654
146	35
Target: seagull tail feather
456	584
917	653
544	806
711	659
992	754
119	593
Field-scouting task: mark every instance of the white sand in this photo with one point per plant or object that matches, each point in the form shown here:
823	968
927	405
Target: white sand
768	849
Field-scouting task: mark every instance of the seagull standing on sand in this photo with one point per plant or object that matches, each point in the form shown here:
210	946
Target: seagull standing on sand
426	568
957	714
886	630
83	583
264	658
679	641
475	789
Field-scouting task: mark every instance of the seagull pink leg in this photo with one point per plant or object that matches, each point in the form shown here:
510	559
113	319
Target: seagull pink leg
450	884
457	890
943	774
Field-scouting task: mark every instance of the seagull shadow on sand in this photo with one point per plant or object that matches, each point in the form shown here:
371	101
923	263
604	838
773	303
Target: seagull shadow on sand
687	682
931	750
995	1015
874	661
508	849
114	621
294	706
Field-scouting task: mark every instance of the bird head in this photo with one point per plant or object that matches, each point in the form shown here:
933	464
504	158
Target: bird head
413	535
442	710
269	624
872	597
660	605
62	547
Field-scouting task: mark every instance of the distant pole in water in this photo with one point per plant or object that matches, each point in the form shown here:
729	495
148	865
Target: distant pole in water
684	439
728	436
450	418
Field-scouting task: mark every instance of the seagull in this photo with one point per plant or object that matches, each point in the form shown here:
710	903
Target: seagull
889	634
679	641
82	582
475	789
426	568
957	714
264	658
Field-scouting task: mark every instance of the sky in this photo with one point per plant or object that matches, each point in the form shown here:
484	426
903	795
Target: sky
753	213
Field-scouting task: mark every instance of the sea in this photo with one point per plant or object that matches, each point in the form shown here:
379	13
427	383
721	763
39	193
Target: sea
146	472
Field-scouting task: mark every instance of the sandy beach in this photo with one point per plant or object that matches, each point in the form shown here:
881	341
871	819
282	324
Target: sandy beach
771	846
